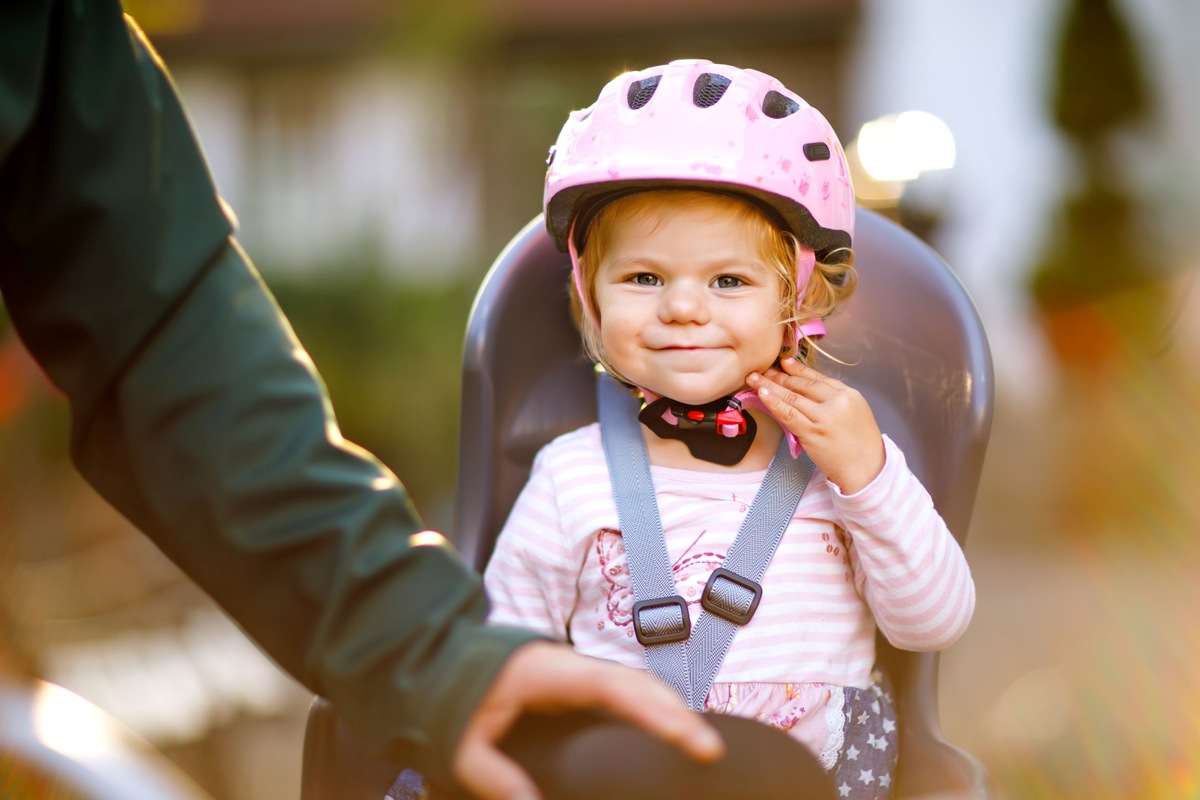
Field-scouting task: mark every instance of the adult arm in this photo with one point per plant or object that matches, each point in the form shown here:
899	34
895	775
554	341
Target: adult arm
194	409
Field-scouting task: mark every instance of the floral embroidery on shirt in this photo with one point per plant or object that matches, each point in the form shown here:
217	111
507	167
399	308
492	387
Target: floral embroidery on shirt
610	548
690	572
837	544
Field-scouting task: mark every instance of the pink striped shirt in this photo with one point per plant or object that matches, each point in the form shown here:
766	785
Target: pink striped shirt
847	564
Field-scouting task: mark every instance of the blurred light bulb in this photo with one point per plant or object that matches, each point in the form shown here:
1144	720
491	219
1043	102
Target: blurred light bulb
899	147
868	191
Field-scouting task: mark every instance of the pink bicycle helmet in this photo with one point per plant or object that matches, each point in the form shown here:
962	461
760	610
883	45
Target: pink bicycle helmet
704	125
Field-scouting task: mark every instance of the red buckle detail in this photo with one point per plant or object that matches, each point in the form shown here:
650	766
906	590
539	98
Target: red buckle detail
698	416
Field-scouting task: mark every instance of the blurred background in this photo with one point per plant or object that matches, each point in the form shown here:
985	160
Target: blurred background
379	154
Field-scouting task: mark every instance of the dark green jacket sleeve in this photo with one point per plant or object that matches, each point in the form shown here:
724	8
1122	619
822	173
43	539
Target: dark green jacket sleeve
194	409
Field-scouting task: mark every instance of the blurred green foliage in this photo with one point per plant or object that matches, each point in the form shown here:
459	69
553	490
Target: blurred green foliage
390	355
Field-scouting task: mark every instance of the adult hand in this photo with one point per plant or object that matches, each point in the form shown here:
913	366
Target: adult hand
544	676
833	421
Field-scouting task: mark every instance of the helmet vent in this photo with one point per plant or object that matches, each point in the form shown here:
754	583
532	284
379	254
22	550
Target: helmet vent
778	106
641	91
709	89
816	151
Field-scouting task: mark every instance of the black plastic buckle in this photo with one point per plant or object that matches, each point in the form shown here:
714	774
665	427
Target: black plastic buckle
703	420
716	604
677	633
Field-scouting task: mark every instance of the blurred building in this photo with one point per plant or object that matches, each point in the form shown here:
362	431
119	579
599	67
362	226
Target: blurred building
412	135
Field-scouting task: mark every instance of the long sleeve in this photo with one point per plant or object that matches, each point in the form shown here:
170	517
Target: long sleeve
532	576
195	411
907	565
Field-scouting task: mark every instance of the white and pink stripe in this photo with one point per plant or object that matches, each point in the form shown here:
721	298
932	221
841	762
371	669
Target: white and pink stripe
882	557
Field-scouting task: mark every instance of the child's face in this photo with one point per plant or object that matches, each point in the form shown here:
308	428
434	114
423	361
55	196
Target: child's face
687	309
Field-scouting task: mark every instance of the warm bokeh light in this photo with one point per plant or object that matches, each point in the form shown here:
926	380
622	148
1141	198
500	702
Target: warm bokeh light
899	147
427	539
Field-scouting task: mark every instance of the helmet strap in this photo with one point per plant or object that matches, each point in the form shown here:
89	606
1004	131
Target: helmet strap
577	276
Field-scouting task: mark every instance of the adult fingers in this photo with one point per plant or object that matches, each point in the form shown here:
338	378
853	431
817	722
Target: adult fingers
490	774
563	679
542	676
480	766
645	702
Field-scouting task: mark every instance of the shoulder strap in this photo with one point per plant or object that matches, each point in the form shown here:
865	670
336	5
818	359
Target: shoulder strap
731	597
660	616
733	591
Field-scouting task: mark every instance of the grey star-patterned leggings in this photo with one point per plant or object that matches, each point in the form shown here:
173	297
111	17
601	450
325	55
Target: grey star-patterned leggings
867	764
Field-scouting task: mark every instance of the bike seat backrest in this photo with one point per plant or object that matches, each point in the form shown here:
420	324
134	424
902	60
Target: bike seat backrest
911	339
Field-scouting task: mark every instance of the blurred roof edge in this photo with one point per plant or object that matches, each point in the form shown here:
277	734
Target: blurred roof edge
259	27
262	28
601	16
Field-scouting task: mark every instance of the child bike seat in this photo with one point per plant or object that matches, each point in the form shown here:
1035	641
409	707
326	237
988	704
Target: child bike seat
913	345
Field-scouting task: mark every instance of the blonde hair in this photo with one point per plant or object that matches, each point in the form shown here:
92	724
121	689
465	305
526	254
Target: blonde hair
829	286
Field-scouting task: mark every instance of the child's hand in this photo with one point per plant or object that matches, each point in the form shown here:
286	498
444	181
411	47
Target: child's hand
833	422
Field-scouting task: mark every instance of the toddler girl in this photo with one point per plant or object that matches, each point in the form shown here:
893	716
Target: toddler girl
709	215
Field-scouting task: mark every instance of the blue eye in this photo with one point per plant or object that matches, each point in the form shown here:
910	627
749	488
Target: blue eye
727	282
645	279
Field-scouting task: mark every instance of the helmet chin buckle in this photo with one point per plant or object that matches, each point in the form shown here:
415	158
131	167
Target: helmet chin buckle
719	432
729	422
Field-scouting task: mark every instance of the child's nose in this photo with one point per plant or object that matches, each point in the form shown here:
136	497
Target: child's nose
683	302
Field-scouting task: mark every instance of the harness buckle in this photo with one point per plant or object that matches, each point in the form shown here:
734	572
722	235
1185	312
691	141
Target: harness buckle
730	596
666	620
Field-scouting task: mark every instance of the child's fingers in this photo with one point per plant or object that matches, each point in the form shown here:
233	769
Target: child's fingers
822	401
804	380
794	411
813	375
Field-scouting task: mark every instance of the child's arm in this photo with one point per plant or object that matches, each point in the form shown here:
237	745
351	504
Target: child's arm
907	565
530	580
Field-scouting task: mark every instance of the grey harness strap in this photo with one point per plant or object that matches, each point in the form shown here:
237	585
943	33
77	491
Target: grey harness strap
660	617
